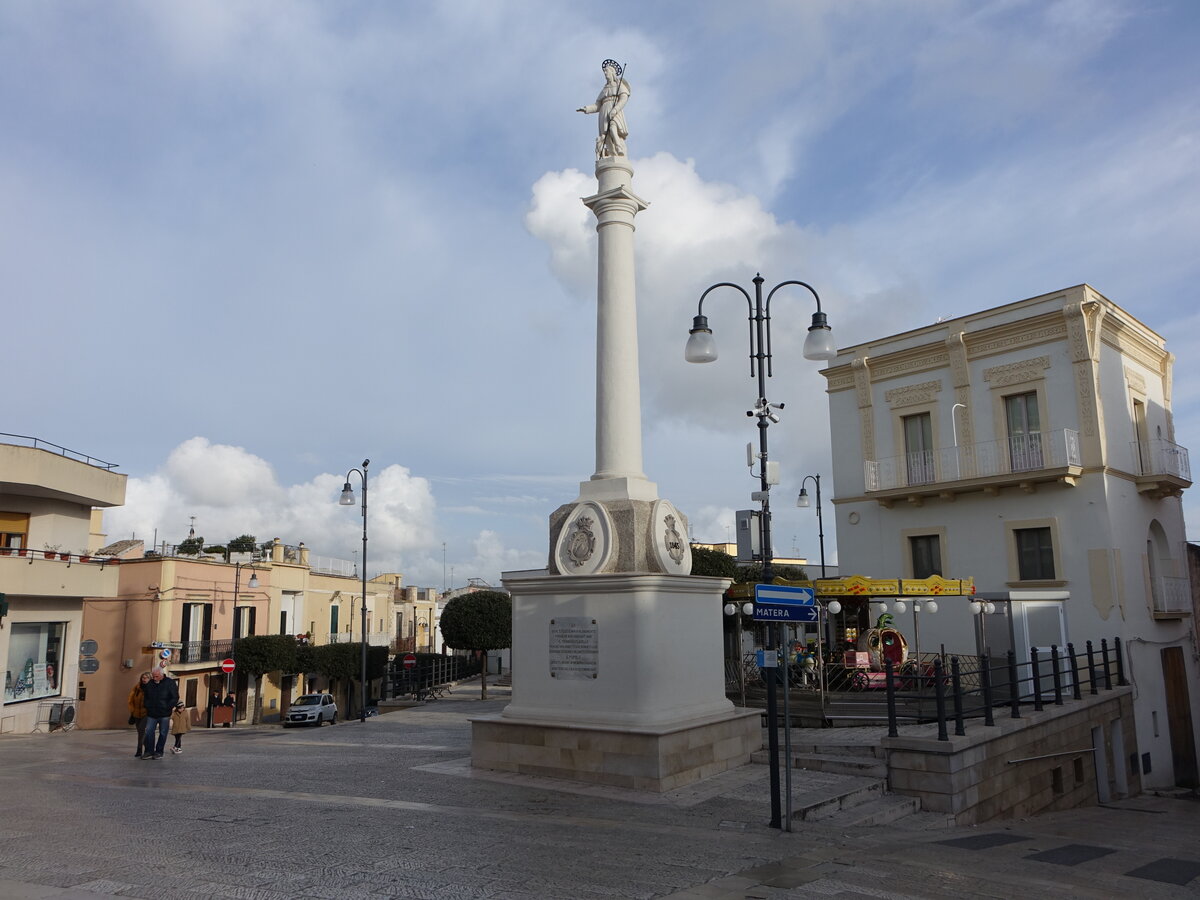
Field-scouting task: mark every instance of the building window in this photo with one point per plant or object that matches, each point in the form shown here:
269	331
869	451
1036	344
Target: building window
283	622
244	621
1024	431
333	620
926	554
34	655
14	528
1035	554
918	448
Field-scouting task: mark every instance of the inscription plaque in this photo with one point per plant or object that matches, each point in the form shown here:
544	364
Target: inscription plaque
574	647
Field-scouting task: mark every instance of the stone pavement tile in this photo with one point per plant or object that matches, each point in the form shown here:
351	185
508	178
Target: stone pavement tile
1169	871
1071	854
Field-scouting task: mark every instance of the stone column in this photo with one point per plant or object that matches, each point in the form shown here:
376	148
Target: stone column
618	474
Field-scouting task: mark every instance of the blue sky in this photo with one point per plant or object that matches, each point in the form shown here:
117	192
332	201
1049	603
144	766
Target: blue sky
246	245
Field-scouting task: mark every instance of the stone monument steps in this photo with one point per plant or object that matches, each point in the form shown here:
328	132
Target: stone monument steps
838	764
817	804
885	810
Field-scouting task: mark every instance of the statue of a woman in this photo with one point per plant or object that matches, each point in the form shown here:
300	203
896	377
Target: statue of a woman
610	106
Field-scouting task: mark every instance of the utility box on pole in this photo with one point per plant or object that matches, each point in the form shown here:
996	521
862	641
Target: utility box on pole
749	535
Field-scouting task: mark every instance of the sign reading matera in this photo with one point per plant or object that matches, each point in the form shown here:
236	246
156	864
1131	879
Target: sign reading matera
574	647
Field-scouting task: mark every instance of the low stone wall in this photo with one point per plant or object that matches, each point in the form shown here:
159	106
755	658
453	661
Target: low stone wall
1018	767
641	759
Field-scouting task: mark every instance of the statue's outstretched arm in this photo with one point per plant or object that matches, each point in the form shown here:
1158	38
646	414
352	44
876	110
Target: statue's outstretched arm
590	108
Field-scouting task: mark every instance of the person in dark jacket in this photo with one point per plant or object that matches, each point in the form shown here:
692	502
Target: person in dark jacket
160	694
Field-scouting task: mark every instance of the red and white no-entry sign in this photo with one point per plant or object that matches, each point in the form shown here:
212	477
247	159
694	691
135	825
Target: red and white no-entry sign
409	660
227	666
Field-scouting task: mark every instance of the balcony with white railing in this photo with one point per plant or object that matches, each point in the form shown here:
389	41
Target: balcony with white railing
1020	460
1162	467
1170	597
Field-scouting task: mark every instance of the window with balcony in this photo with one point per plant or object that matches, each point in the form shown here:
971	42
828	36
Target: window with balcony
14	529
1024	431
1035	554
926	554
918	448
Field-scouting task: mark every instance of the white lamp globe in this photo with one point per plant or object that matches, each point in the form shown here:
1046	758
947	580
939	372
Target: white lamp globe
730	609
931	606
901	606
834	607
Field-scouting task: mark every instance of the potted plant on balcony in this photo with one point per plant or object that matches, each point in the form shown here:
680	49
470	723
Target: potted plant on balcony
85	557
51	551
6	551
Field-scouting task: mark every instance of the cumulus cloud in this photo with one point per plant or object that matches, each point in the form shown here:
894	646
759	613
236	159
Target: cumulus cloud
230	491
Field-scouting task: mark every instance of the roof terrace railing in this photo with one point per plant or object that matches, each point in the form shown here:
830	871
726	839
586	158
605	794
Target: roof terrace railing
39	444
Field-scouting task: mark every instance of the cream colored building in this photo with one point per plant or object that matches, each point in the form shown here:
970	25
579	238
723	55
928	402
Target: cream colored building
1031	447
50	499
185	611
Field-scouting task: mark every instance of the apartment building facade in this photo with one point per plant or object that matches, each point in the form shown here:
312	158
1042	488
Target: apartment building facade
1032	448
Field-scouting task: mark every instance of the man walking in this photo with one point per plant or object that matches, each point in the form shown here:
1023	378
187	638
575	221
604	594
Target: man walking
161	695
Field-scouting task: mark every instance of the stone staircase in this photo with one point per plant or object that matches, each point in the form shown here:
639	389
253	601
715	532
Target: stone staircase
853	791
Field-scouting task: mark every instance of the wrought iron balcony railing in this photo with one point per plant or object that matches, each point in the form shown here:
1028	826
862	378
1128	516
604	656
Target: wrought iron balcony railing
1170	595
205	651
1014	455
1160	457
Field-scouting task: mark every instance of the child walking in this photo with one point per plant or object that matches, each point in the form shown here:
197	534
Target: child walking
179	726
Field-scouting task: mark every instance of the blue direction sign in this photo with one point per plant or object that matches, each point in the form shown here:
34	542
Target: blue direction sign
784	595
781	603
771	612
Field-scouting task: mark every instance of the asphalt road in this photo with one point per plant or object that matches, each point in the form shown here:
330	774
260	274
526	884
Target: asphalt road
390	808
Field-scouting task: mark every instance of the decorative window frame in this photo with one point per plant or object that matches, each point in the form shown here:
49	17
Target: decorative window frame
906	548
1010	544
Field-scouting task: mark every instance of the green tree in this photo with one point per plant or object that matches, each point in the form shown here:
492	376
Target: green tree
752	574
715	563
243	544
259	654
190	546
343	663
480	621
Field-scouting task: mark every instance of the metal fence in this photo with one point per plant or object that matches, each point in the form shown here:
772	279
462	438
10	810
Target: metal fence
958	693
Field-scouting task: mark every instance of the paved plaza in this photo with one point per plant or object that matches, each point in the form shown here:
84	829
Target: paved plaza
390	808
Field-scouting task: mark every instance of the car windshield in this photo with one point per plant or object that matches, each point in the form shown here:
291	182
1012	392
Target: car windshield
308	700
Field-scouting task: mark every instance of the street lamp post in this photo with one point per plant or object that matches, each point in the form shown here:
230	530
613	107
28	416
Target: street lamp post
802	502
237	583
701	348
347	499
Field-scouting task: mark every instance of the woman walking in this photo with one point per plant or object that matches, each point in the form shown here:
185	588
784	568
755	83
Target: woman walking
179	726
137	711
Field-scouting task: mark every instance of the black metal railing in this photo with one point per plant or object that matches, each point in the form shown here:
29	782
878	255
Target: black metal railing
39	444
429	675
998	683
205	651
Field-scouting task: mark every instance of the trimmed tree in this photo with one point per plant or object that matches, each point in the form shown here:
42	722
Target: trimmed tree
479	621
339	662
259	654
716	563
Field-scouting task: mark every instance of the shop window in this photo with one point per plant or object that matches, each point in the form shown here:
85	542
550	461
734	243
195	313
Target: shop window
1035	554
34	656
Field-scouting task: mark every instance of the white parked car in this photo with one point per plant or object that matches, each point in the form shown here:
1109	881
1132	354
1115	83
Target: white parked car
311	709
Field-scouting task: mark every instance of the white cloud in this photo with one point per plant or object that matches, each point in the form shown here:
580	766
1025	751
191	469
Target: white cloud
231	492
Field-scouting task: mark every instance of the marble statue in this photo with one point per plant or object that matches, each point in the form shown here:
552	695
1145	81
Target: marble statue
610	108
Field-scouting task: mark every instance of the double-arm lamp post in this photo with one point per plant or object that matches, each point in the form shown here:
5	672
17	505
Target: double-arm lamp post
347	499
701	348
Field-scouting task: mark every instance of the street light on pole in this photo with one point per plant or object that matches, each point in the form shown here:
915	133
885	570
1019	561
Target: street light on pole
237	582
802	502
702	348
347	499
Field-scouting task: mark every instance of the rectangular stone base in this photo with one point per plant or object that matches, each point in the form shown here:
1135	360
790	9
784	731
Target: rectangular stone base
641	759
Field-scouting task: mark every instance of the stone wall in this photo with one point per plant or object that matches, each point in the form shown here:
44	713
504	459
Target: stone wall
1038	763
